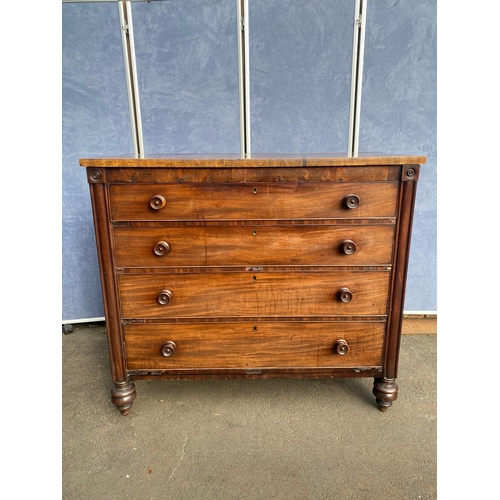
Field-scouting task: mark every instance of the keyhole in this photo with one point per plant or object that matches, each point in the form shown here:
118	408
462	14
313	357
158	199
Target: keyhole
255	232
255	278
254	190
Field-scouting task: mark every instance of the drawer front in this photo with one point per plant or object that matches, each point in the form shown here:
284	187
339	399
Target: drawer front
247	294
254	246
247	201
254	345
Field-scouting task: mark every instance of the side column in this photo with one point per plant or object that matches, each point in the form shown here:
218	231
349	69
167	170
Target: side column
123	392
385	388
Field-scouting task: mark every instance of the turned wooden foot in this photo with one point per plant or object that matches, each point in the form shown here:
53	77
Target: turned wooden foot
123	395
385	392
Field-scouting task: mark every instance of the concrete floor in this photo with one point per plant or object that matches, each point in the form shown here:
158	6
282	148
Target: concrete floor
256	439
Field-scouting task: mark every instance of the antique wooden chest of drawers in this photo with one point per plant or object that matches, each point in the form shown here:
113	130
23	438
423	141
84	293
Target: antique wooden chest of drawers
221	267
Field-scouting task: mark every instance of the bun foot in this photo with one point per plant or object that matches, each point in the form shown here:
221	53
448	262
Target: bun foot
123	395
385	392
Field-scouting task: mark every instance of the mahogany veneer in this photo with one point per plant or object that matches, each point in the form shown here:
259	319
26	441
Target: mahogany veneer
221	267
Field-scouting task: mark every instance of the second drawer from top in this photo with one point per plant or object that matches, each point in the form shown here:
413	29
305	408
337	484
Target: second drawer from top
286	245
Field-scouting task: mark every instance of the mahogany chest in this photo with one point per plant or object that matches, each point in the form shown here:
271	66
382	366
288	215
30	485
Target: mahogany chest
221	267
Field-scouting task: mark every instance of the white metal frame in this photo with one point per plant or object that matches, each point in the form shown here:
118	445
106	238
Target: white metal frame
243	30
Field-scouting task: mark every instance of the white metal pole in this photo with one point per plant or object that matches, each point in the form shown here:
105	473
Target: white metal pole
358	49
243	76
246	32
127	31
133	67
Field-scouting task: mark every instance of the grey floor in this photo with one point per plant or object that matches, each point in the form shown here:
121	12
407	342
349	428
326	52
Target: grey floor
255	439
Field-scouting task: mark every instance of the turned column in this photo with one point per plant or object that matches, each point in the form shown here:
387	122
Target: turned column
385	388
123	390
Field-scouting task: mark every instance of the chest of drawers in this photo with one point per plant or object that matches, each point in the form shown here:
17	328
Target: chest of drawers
221	267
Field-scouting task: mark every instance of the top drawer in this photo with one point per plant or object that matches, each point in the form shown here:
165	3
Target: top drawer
247	201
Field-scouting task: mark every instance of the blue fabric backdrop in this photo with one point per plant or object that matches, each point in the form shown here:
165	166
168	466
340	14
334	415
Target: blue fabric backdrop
300	64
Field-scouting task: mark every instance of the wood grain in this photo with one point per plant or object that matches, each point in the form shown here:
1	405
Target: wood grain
254	294
257	160
244	201
254	345
150	175
254	245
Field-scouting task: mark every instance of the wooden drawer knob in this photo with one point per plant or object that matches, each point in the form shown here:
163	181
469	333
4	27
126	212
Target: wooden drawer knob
161	248
349	247
157	202
164	297
168	349
341	347
345	294
351	201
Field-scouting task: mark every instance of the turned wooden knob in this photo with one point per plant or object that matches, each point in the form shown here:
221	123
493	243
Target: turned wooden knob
161	248
157	202
341	347
168	349
345	294
164	297
349	247
351	201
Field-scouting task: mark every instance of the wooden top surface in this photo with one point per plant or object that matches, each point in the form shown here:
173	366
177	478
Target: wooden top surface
256	160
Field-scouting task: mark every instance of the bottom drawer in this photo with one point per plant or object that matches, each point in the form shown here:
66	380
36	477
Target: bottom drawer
253	345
